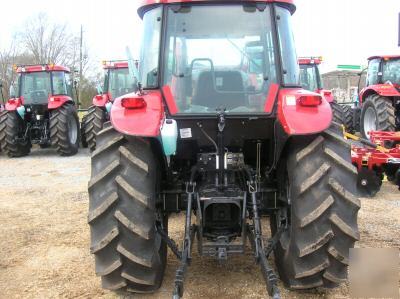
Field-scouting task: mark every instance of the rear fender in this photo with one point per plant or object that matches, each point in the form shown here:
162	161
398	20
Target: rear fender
145	122
327	94
101	100
14	103
384	90
56	102
300	120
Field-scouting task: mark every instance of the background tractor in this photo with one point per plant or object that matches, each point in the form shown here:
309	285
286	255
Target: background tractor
310	79
41	111
380	99
227	145
117	81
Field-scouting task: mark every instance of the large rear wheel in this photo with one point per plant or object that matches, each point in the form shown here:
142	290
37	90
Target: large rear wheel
348	118
320	216
95	119
12	132
64	130
378	114
129	254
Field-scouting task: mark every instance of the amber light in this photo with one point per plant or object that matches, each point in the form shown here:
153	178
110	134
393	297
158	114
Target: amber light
133	103
310	101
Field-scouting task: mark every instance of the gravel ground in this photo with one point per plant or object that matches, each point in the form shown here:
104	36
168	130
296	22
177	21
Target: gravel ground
44	237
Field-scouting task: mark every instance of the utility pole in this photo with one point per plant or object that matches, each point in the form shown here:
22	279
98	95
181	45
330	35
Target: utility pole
80	68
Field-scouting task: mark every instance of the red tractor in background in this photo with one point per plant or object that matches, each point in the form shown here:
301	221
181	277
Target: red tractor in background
202	136
380	99
310	79
117	82
40	111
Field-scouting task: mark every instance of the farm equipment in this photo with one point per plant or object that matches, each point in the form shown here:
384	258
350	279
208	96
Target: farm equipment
42	112
380	99
117	82
375	158
310	79
201	136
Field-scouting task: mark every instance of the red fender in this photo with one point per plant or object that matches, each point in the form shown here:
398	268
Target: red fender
14	103
145	121
302	120
57	101
327	94
101	100
385	90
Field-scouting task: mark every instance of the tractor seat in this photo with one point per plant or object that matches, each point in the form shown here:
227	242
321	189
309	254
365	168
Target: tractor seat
226	92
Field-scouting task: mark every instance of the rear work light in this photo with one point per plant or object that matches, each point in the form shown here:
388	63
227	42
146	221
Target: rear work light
133	103
310	100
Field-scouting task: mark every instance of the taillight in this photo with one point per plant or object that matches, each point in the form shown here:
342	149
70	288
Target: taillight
327	93
310	100
133	103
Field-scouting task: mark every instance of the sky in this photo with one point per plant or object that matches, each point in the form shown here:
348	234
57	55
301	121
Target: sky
342	31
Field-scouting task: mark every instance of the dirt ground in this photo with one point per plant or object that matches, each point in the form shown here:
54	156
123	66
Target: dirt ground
44	238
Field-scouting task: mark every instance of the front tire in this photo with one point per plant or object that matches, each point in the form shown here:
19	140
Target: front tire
320	218
337	113
11	133
348	118
64	130
378	114
129	254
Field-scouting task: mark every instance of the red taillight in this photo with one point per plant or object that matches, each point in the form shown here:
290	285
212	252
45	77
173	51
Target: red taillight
133	103
310	100
99	97
327	93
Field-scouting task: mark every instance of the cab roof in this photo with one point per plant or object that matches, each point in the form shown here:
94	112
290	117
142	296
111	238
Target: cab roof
115	64
384	57
40	68
310	60
145	5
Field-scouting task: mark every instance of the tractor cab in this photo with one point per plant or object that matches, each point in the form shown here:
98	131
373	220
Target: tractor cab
384	70
41	86
310	77
117	80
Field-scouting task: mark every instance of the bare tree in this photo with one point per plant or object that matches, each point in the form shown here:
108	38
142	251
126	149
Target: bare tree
46	41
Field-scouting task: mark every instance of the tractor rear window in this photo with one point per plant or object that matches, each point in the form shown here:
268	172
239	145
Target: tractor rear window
219	57
120	82
309	77
35	87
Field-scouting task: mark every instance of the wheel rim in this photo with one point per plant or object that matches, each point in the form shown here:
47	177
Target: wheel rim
72	130
370	119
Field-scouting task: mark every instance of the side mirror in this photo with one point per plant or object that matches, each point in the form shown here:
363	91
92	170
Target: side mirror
99	89
12	92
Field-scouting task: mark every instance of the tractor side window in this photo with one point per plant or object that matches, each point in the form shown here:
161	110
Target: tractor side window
373	70
308	77
148	70
59	83
391	71
286	40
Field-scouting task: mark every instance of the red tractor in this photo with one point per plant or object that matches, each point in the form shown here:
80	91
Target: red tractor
310	79
117	81
40	111
201	136
380	99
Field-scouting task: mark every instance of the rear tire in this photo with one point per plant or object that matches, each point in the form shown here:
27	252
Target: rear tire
129	254
11	128
337	113
95	119
83	135
348	118
64	130
378	114
321	220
